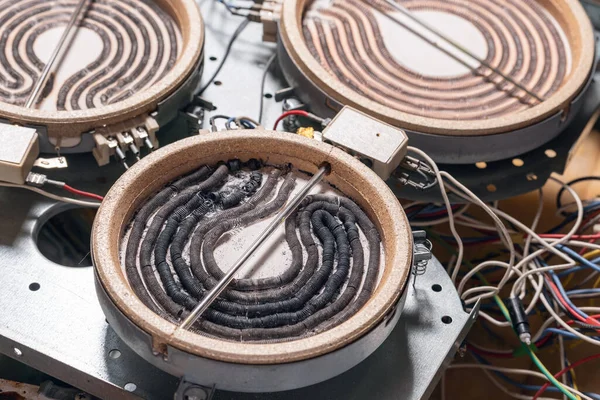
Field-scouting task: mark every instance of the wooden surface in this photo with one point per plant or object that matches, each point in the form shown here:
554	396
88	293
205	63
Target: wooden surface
473	383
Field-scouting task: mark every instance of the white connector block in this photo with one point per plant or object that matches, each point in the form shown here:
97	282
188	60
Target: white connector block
379	145
19	148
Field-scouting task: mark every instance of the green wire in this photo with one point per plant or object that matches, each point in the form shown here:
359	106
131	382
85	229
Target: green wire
506	314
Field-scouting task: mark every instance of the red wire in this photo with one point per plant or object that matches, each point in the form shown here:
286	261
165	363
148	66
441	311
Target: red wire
287	114
562	372
590	320
559	235
82	193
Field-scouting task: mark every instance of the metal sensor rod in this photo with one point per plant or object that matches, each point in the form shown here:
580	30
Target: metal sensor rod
58	51
279	219
405	11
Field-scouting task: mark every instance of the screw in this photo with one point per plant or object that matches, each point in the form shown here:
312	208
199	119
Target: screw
195	393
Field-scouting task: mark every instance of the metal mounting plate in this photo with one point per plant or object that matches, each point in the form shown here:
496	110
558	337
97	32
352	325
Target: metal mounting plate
61	330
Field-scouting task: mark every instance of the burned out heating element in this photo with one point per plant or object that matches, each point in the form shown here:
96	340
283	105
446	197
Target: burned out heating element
170	261
371	48
121	47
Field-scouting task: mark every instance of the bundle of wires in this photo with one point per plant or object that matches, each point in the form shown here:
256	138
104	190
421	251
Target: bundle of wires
539	270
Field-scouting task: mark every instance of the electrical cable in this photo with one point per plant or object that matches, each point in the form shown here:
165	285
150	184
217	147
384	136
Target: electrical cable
564	370
286	114
235	35
82	193
570	183
262	86
53	196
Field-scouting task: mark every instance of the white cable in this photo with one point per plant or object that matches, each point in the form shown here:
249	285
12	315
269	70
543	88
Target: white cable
438	176
503	232
533	228
52	196
549	245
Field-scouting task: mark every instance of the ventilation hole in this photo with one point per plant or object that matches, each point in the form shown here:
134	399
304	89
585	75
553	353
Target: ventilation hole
218	83
550	153
532	177
491	188
481	165
17	352
130	387
436	288
34	287
517	162
114	354
268	95
64	239
447	319
212	58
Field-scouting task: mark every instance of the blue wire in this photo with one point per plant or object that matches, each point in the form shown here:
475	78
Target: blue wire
567	335
564	295
578	258
578	268
245	121
571	217
583	291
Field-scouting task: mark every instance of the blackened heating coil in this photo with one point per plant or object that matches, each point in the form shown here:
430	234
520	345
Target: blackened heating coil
314	293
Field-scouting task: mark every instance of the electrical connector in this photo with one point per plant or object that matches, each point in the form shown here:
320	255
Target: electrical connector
19	147
378	145
519	319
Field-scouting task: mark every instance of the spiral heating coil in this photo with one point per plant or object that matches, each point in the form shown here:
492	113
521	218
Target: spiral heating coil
319	290
523	41
140	43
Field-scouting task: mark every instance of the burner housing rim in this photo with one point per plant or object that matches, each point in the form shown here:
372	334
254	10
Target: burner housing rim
350	176
72	123
579	34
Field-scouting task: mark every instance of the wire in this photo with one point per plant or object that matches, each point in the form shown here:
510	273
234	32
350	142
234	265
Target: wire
82	193
53	196
235	35
287	114
564	370
515	371
262	86
212	120
434	167
570	183
243	120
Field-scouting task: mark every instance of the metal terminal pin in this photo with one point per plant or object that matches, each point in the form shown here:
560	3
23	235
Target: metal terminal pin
279	219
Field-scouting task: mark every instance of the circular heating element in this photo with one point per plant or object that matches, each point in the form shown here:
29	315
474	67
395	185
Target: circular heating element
311	294
348	38
122	47
445	69
123	57
325	287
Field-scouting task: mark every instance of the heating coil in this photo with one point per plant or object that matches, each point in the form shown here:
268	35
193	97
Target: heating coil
140	44
326	283
523	42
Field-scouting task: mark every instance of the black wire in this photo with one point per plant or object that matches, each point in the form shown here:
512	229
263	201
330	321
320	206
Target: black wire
214	117
262	86
237	32
574	181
